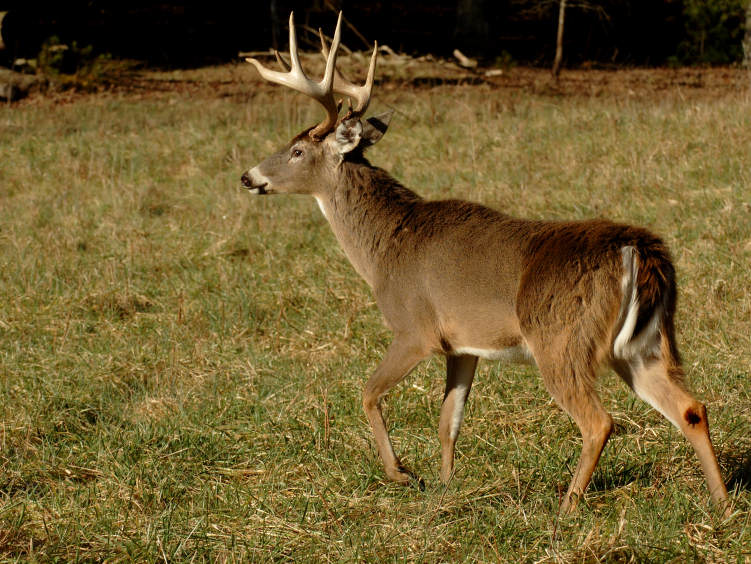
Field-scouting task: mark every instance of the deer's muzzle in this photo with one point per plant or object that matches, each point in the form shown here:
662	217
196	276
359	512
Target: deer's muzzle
257	187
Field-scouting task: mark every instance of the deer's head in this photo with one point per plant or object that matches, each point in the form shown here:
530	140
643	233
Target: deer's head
309	163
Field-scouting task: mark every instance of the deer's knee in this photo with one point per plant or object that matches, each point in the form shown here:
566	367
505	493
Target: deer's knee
370	400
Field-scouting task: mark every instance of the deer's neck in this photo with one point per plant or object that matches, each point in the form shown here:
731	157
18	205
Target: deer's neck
369	212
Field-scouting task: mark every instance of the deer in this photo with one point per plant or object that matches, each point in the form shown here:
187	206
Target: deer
460	279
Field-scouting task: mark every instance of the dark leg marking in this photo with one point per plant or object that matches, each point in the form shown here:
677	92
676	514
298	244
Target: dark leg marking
692	418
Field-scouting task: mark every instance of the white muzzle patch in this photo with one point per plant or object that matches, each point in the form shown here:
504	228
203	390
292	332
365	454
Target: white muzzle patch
256	183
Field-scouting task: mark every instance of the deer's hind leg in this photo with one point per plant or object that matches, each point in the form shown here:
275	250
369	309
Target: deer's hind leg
658	383
572	387
581	402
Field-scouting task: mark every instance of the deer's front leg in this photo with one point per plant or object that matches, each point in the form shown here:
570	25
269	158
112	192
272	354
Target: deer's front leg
401	357
460	371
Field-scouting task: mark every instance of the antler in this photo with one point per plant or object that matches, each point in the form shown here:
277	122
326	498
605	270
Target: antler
361	94
296	79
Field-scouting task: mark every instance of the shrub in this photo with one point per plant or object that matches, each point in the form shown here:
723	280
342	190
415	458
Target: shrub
73	66
714	31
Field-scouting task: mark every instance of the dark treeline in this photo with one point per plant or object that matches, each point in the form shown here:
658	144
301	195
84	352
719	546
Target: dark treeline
632	32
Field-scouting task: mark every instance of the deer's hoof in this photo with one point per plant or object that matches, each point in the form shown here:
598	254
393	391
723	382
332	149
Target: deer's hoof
402	476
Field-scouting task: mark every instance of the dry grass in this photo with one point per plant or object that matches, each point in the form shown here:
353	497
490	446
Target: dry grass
181	364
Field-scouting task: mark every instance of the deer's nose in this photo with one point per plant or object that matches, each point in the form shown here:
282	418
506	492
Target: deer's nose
254	181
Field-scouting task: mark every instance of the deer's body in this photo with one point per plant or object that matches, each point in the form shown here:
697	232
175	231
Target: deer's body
453	271
463	280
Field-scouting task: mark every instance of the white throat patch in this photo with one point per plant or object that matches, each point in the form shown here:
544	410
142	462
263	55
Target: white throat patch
320	205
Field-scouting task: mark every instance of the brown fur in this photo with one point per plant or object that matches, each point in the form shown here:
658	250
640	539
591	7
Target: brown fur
452	276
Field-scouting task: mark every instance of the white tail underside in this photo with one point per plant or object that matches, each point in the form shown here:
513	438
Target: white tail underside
626	346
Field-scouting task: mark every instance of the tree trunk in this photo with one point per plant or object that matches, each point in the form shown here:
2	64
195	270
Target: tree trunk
2	16
559	40
472	33
747	38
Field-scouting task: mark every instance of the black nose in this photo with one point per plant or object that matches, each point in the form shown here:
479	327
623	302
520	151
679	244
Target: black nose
245	179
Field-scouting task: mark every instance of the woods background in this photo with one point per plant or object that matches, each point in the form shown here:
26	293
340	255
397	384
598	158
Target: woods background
598	32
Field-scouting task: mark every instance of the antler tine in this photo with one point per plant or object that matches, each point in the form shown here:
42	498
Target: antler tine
361	94
282	63
368	88
296	79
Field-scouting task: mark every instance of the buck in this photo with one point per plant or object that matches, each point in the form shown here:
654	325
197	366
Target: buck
462	280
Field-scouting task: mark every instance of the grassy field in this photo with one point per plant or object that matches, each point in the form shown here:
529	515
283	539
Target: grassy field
181	363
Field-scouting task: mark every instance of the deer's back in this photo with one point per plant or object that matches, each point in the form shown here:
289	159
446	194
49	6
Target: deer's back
479	275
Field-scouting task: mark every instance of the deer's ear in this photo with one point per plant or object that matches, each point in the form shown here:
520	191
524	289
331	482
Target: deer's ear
375	128
352	132
347	135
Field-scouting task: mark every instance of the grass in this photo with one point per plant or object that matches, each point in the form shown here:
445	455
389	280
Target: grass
181	363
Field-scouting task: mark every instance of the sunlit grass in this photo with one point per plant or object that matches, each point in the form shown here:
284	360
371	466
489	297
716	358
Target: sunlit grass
181	363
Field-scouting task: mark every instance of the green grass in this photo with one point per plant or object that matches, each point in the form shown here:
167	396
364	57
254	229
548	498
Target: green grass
181	363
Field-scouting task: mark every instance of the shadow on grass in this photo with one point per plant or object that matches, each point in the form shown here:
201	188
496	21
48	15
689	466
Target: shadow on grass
738	474
605	479
739	469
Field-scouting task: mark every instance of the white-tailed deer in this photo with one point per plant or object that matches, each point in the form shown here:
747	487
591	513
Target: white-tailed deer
460	279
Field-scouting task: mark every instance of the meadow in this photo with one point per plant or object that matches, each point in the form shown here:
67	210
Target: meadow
181	362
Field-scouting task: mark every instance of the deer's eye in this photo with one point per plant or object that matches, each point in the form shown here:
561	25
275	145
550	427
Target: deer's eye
297	153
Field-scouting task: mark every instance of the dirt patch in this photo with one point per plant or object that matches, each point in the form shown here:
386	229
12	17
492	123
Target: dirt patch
400	72
426	73
641	83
